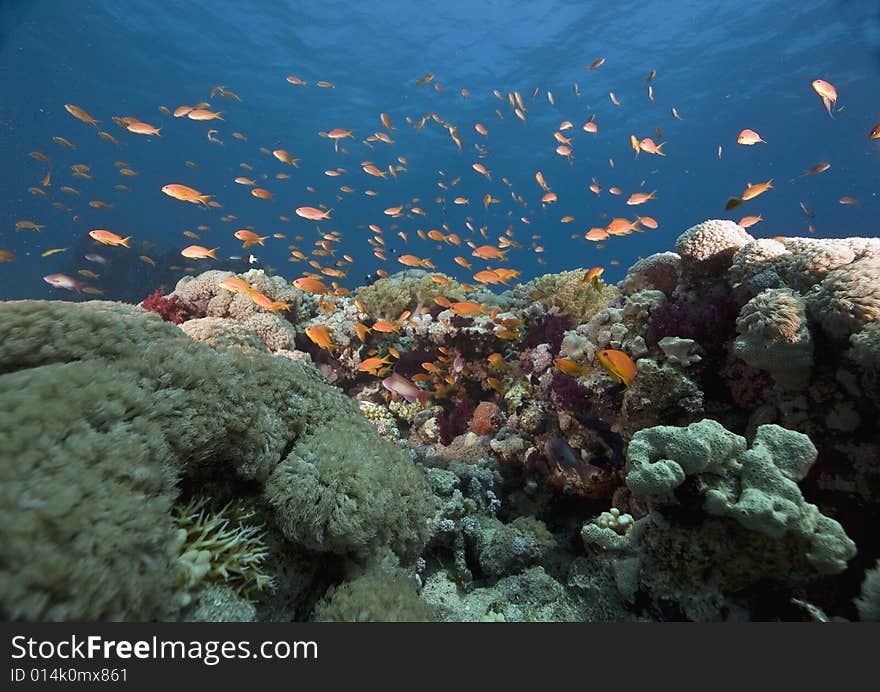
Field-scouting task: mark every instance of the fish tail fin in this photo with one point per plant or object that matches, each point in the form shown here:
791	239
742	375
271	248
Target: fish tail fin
203	199
327	213
212	253
261	238
124	241
659	149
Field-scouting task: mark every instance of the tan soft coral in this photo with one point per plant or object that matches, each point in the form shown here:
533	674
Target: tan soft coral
774	336
848	297
407	290
104	406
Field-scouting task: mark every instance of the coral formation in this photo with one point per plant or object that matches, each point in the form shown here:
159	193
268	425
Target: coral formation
479	466
774	336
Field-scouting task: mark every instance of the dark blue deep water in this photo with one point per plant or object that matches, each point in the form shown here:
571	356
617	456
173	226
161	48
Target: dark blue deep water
724	66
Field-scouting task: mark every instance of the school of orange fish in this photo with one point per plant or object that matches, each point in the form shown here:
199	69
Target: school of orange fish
484	249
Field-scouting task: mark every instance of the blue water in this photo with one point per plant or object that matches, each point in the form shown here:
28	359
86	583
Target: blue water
724	66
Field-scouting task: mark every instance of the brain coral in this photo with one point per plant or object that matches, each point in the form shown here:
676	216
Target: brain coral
848	297
659	272
773	336
104	406
710	246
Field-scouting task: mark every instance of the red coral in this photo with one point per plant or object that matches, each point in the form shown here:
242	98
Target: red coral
487	418
166	307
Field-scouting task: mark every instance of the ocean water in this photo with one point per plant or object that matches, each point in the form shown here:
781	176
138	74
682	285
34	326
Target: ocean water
724	66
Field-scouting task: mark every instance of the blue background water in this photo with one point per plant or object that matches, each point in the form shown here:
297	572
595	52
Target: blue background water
725	66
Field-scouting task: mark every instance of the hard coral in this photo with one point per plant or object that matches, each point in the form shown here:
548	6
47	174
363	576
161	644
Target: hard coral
756	487
487	418
709	247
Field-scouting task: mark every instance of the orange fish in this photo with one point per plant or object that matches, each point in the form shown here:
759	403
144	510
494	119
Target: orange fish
827	92
310	285
202	114
591	127
321	337
385	327
293	79
647	221
753	191
598	62
109	238
285	157
592	276
186	194
467	308
875	133
647	145
261	193
199	252
249	238
372	364
80	114
570	367
140	128
235	285
266	302
489	252
413	261
619	364
749	137
481	169
748	221
312	213
640	198
596	235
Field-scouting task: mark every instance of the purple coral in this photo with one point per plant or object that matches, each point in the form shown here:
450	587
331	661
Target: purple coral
568	393
708	318
550	331
454	423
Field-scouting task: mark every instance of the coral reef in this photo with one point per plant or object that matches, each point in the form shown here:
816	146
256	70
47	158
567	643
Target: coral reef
390	456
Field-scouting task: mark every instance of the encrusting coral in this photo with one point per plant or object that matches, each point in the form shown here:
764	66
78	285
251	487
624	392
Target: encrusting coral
756	486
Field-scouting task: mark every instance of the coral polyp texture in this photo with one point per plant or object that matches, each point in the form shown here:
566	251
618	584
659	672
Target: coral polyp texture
696	442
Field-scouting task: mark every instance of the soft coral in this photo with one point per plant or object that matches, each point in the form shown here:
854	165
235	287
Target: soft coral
168	308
